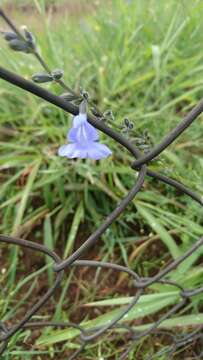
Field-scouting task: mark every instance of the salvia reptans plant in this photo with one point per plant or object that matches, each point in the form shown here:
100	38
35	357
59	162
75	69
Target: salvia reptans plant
83	132
83	137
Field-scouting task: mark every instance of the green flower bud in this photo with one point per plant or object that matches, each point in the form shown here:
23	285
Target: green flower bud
57	74
68	97
8	35
30	39
19	45
42	78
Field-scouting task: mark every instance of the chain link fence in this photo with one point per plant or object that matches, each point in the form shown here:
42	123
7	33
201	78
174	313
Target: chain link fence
142	165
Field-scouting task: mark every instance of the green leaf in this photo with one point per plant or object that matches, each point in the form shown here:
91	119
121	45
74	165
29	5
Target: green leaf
160	229
143	308
74	229
49	243
18	219
127	299
25	196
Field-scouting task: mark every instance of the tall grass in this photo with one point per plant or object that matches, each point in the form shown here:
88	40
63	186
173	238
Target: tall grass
141	59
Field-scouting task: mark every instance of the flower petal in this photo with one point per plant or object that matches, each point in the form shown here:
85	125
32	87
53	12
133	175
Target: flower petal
83	137
98	151
66	150
79	119
83	133
73	151
72	134
93	150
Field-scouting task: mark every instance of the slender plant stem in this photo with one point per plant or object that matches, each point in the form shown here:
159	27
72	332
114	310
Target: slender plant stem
36	53
11	25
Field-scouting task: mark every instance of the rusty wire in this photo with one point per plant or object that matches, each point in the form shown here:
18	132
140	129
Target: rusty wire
141	165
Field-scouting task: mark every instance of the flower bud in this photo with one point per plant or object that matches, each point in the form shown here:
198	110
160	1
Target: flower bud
19	45
30	39
8	35
57	74
68	97
108	114
84	94
42	78
96	112
128	124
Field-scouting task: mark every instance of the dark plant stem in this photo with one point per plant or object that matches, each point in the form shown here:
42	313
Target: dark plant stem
11	25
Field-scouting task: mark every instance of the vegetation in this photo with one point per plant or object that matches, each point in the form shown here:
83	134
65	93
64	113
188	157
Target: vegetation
142	60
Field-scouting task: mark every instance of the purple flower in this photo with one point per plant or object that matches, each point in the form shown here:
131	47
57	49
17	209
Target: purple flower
83	137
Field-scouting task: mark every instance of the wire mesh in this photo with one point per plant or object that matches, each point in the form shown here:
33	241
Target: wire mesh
141	164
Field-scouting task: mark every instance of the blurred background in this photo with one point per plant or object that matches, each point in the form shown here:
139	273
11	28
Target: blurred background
140	59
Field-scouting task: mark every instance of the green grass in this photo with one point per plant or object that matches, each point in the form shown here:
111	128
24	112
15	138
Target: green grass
143	61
